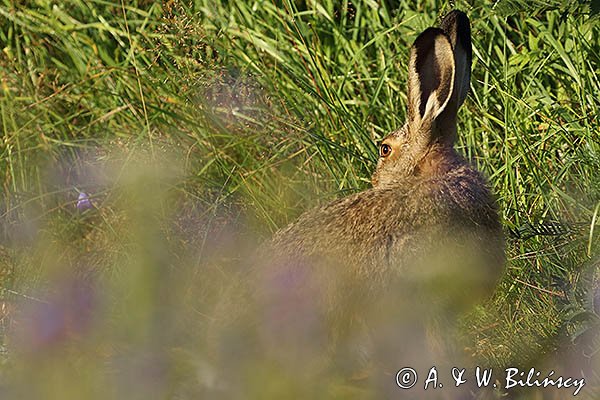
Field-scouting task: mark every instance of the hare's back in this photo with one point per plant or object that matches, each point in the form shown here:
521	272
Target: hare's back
385	228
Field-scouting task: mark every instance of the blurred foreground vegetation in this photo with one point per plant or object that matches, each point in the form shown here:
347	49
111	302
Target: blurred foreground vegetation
147	147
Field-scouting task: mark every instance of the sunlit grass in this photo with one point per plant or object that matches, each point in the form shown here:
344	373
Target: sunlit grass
246	114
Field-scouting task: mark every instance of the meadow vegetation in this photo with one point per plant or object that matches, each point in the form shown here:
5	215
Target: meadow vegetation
198	128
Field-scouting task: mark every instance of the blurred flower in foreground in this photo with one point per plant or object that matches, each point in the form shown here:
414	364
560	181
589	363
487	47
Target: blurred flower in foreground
66	316
83	202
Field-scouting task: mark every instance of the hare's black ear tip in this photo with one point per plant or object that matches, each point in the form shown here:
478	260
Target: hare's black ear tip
457	26
456	22
456	18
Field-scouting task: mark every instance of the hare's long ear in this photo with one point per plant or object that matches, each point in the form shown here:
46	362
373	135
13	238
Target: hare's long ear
430	80
457	27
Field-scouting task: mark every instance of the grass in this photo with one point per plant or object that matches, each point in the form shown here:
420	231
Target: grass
198	128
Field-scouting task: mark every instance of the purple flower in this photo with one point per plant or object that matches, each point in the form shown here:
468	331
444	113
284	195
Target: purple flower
83	202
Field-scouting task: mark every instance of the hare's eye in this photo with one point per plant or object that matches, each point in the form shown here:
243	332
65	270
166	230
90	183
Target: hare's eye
385	150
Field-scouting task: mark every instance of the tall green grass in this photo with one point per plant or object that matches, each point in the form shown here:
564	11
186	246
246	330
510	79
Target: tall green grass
248	113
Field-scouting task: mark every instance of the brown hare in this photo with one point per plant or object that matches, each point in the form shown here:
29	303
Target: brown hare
363	283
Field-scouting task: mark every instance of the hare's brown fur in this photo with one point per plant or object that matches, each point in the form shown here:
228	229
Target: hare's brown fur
424	193
376	228
427	204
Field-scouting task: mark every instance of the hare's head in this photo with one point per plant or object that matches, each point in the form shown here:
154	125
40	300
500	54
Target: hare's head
439	71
